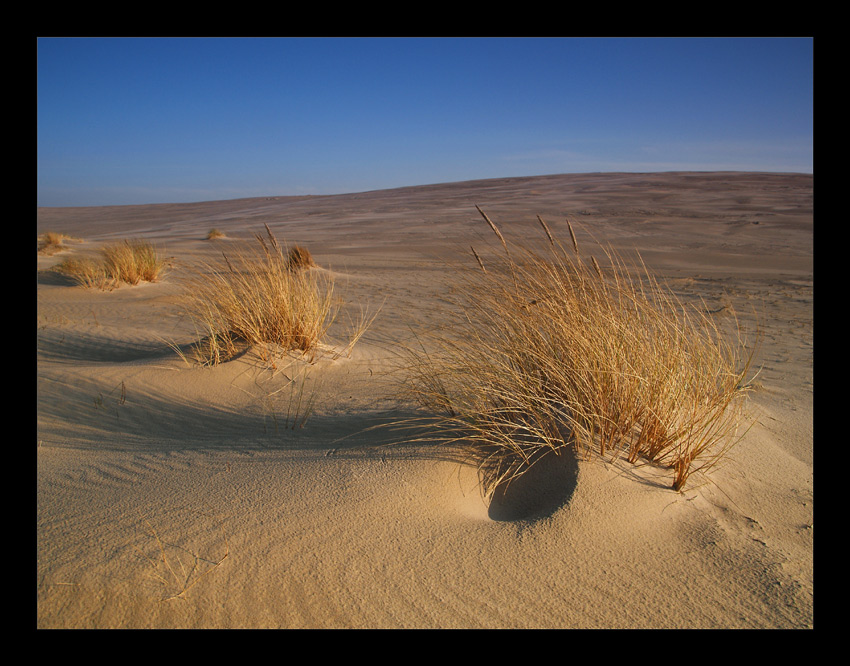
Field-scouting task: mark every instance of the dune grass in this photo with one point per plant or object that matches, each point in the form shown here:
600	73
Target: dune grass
557	349
299	258
216	233
133	262
258	296
51	242
130	262
88	273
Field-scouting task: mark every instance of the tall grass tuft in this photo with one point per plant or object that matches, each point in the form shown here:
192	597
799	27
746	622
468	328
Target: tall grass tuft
130	262
557	349
253	298
133	262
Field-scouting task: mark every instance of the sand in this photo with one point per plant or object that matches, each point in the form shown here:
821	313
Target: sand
175	496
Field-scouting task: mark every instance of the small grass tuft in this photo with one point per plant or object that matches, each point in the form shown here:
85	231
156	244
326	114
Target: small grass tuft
129	262
88	273
215	233
299	258
50	243
133	262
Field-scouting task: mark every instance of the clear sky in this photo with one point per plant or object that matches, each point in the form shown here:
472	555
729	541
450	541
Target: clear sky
161	120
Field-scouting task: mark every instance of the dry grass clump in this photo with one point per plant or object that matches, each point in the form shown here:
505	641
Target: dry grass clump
88	273
133	262
130	262
556	350
299	258
51	242
215	233
254	298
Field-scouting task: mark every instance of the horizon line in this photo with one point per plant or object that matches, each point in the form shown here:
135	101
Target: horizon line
436	183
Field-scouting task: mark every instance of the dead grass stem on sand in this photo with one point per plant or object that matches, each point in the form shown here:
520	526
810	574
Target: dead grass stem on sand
259	296
557	349
175	568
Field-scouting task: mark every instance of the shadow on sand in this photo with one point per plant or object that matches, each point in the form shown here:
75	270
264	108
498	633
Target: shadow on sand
543	486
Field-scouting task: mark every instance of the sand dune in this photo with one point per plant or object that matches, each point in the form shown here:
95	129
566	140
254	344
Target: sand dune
176	496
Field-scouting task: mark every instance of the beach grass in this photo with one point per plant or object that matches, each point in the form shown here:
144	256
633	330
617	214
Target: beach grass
133	261
51	242
299	258
254	297
129	261
556	348
88	273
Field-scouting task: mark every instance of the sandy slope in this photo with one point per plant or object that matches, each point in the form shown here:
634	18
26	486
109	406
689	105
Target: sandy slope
139	454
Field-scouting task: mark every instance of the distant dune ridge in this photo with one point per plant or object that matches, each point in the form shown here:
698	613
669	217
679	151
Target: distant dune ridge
275	490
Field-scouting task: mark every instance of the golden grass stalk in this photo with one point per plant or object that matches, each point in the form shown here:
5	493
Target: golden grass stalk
478	259
552	350
253	298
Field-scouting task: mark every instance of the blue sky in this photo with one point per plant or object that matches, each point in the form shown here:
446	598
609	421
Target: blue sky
162	120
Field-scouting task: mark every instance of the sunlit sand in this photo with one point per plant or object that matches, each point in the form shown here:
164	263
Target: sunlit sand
259	493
